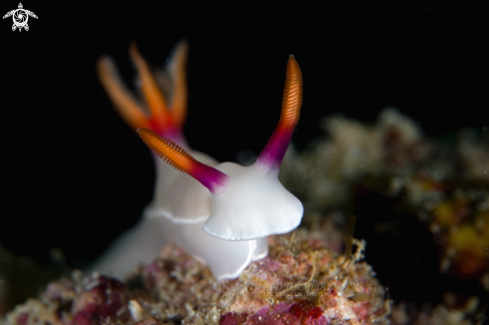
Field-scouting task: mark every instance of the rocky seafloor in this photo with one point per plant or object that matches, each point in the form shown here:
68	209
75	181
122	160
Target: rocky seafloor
422	205
302	281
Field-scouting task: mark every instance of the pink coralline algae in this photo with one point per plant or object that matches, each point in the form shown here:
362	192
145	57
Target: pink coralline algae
304	313
94	301
100	299
301	282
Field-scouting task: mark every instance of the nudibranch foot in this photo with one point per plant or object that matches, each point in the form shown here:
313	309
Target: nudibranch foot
225	259
141	244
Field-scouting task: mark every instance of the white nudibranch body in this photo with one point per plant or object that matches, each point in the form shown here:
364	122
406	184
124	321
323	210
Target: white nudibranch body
219	213
254	205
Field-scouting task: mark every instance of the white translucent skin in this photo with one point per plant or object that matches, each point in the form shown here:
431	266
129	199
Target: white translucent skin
254	205
179	209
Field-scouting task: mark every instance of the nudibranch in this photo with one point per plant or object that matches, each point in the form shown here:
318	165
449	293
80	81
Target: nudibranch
221	213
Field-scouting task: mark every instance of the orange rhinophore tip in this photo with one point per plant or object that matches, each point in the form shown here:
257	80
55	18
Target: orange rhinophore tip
179	97
168	150
150	89
157	114
292	98
272	155
215	180
124	103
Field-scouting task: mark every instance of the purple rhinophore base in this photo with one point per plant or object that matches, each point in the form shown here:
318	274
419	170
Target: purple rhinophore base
215	180
272	155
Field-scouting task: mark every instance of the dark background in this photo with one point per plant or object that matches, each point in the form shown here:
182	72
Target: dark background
73	175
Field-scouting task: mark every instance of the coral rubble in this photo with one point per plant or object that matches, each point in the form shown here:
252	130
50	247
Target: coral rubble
302	281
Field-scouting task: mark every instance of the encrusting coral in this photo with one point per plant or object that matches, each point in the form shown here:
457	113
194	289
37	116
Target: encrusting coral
302	281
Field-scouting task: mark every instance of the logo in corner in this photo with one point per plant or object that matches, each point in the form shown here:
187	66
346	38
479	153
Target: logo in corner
20	17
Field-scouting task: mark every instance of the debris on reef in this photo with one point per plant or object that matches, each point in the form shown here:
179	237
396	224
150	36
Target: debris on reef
302	281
